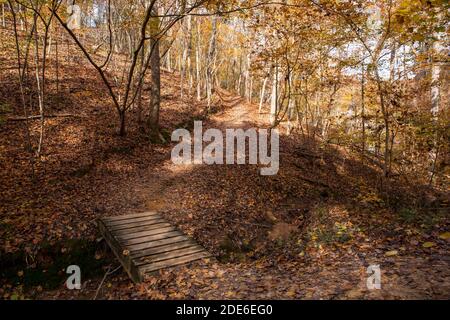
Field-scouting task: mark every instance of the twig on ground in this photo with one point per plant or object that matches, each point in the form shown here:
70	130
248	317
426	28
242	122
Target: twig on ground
108	273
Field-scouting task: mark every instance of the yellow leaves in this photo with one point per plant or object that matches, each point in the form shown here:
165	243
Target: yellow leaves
428	245
176	295
14	296
369	197
444	236
391	253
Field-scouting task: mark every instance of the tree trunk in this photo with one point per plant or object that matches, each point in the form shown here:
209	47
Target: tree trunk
211	57
122	119
3	15
438	55
263	93
139	97
385	112
189	53
197	64
39	91
155	100
363	111
57	68
274	101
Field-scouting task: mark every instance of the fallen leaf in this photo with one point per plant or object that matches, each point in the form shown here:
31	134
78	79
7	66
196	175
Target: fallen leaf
291	293
391	253
354	294
445	236
429	244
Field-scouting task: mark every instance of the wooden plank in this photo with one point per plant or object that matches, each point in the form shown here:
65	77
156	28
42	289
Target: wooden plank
173	262
124	222
169	255
147	239
136	224
148	245
126	261
129	216
134	235
143	228
162	249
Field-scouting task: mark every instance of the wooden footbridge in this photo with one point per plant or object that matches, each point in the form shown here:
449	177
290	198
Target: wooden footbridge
145	243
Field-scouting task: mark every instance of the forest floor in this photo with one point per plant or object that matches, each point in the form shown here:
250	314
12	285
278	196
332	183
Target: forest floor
309	232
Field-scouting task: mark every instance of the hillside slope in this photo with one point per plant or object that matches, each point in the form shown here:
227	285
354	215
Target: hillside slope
309	232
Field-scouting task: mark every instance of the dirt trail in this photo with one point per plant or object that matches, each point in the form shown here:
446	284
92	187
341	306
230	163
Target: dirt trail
237	114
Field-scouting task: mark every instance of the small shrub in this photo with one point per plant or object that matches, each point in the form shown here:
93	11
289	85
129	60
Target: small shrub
4	109
408	215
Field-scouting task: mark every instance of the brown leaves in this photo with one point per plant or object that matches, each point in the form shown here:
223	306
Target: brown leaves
282	232
87	172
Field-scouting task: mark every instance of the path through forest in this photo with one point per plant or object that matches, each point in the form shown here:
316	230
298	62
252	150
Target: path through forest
80	109
265	270
237	114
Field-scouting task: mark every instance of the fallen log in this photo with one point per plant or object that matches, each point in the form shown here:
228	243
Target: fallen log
46	117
